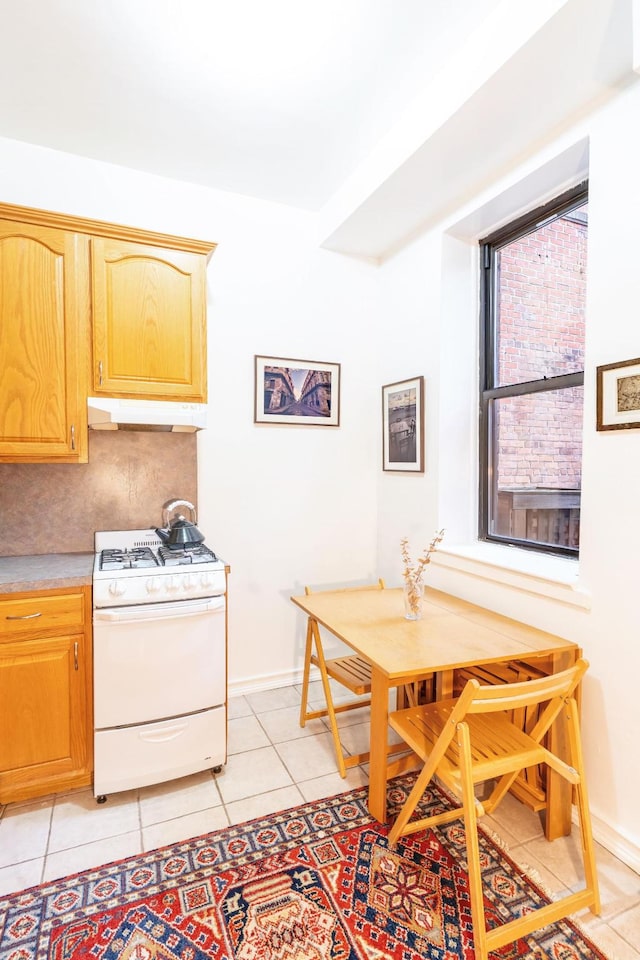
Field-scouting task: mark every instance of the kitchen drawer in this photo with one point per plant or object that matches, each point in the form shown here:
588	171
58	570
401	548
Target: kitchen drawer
131	757
41	615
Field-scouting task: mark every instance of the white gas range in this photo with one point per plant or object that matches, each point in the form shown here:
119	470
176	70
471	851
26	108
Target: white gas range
134	566
159	639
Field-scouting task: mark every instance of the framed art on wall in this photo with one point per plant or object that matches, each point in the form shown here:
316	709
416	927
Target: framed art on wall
403	426
618	395
296	391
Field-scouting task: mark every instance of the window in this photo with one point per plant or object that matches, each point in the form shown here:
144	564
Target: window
534	274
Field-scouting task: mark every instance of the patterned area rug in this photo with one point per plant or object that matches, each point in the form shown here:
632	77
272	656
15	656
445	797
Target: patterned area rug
317	882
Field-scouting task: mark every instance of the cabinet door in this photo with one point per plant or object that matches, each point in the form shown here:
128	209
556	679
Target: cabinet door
148	321
44	321
43	720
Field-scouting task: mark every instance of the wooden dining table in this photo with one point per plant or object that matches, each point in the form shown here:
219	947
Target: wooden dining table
452	634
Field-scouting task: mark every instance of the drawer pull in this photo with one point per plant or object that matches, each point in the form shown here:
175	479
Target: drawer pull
75	655
25	616
170	732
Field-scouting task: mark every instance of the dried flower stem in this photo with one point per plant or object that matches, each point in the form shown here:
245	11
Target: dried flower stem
412	573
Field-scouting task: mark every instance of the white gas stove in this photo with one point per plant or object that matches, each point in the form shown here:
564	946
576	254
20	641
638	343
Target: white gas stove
159	657
135	566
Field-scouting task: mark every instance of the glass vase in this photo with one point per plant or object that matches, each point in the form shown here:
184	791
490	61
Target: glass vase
413	599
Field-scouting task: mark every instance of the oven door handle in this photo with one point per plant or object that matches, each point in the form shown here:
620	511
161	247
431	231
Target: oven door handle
159	611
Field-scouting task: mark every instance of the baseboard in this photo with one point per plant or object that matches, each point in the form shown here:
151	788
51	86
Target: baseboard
615	842
271	681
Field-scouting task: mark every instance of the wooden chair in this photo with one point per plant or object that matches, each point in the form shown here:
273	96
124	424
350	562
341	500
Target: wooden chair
352	672
472	739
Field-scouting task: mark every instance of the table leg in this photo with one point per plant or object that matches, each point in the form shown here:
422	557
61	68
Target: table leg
378	745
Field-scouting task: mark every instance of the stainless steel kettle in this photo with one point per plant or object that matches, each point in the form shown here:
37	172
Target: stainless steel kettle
178	531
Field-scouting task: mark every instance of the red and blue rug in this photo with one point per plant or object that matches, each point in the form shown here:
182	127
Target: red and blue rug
317	882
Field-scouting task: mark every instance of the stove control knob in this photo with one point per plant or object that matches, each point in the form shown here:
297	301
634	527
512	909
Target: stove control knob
206	580
153	585
187	581
117	588
172	583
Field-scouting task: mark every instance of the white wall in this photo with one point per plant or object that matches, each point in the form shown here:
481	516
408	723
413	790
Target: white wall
436	275
287	505
410	347
283	505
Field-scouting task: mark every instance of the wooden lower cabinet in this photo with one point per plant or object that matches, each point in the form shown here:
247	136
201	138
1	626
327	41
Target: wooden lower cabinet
45	693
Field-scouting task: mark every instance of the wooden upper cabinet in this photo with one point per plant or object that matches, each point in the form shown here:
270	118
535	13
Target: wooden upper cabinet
44	341
140	296
149	321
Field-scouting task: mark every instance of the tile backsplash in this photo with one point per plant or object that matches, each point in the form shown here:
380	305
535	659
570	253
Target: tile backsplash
56	508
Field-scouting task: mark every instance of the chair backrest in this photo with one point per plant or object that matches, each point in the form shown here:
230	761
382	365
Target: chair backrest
380	585
552	690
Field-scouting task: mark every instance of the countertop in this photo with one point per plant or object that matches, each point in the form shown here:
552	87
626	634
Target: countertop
46	571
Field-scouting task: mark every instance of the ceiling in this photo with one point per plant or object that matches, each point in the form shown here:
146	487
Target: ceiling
277	100
528	99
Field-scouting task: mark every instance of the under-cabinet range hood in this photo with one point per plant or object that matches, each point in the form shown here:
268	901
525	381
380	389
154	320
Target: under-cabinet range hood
108	413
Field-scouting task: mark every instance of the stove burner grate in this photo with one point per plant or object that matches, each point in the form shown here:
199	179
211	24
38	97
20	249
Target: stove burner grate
127	559
172	556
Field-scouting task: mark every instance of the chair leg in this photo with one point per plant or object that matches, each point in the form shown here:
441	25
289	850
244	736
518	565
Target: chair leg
306	673
411	694
584	816
329	699
499	792
473	847
412	801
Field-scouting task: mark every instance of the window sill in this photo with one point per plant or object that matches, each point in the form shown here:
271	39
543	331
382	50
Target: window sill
540	574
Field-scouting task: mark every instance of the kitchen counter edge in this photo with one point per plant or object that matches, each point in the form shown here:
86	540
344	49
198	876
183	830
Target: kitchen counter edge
47	571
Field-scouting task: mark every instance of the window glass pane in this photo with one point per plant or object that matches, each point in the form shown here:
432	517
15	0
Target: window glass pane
537	456
540	288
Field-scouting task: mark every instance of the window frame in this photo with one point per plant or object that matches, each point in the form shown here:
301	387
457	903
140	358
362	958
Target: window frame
489	392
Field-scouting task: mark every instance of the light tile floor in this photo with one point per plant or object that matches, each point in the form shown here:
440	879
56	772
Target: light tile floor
274	764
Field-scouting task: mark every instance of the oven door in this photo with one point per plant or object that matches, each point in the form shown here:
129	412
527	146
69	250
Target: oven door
158	660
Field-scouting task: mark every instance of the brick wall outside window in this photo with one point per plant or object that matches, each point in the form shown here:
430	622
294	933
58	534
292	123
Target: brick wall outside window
541	298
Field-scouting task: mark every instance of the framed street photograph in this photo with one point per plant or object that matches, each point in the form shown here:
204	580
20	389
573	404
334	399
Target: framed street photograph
403	426
618	395
297	391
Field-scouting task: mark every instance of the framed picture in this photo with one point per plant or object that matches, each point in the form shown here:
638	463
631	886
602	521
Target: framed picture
618	395
403	426
297	391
